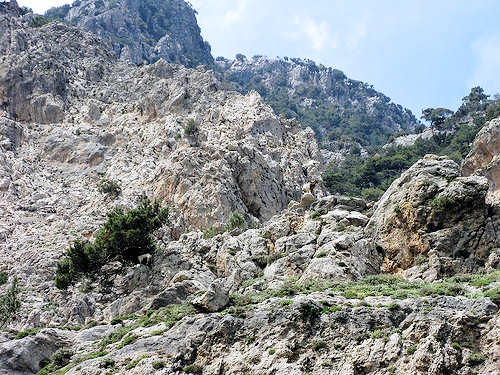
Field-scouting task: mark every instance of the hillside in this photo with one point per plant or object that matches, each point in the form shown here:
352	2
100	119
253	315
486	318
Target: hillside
341	111
344	113
155	221
371	174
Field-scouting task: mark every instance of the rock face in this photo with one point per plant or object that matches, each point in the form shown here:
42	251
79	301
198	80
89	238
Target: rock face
431	210
484	158
142	31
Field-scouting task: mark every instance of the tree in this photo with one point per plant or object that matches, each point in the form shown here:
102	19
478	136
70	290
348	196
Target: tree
436	116
476	96
9	303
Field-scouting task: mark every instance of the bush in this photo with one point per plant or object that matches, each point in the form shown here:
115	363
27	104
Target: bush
110	188
412	349
191	128
476	359
193	369
10	303
29	332
158	365
40	21
3	278
124	236
236	221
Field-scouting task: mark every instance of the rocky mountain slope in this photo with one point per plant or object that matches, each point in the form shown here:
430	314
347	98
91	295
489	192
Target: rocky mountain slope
303	282
343	112
142	31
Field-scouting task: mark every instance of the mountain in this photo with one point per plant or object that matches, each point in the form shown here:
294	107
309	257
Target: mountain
155	221
141	31
341	111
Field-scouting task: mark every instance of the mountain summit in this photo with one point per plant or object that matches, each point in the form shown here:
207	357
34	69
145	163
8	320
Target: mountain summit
142	31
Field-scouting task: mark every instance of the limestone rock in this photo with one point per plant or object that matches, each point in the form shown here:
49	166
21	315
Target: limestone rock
431	208
484	158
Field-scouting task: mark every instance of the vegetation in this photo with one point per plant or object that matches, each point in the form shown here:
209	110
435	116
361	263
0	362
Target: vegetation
378	285
193	369
476	358
337	112
370	176
10	303
191	129
3	278
157	365
110	188
59	359
236	220
124	236
26	333
40	21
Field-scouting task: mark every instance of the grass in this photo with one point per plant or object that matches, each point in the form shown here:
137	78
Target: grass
318	345
157	365
28	332
168	315
412	349
136	361
378	285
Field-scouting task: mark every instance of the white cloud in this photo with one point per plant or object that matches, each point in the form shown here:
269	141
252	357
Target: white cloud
487	70
236	14
318	33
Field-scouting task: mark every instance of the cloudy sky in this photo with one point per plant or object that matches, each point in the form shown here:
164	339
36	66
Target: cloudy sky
420	53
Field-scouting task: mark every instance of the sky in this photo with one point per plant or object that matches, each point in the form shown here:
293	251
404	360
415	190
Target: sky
420	53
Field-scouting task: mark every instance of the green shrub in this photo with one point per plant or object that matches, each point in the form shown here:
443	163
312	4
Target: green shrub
29	332
318	345
236	220
110	188
10	303
40	21
107	363
456	346
476	359
158	365
116	321
193	369
493	294
62	357
412	349
125	236
191	128
128	341
272	351
134	363
3	278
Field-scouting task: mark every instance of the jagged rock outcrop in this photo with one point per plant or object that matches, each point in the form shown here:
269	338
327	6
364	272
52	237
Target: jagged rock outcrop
484	158
432	210
142	31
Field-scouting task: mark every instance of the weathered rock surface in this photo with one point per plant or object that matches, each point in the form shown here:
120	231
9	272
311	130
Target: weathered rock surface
142	31
430	208
484	158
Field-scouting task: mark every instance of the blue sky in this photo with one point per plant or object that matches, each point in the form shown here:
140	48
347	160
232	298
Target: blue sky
420	53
